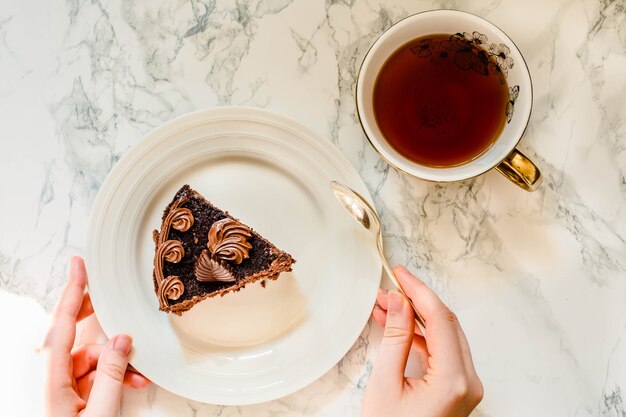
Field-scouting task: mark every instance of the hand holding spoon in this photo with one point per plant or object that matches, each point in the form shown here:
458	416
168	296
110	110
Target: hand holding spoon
363	213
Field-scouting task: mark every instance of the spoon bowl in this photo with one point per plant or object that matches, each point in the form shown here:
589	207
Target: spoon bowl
356	205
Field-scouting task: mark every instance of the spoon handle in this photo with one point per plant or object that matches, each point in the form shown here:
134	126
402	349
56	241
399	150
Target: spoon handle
419	320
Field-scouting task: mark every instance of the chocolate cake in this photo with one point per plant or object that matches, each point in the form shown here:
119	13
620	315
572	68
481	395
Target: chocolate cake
202	251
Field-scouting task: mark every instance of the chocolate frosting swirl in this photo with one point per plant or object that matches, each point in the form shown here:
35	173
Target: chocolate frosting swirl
180	218
170	288
208	269
172	251
228	240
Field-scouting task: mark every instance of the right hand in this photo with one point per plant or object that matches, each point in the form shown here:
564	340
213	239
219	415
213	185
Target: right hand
446	384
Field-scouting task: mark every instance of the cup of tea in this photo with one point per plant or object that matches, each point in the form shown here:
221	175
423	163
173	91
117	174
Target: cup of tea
445	95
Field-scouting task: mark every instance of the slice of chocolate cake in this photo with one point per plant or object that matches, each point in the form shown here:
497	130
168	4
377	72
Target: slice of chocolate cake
202	251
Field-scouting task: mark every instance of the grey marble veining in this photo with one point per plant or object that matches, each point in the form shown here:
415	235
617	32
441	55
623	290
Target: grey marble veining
538	280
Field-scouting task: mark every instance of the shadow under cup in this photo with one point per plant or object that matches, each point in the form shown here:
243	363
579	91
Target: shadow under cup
474	32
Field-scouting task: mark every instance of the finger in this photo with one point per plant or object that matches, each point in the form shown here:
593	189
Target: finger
84	384
381	298
106	392
135	380
63	326
418	345
131	380
85	359
380	315
442	334
396	343
86	309
60	337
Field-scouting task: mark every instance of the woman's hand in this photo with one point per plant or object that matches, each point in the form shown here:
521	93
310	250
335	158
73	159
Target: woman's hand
446	384
87	380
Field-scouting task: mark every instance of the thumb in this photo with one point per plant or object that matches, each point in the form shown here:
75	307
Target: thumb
106	394
396	343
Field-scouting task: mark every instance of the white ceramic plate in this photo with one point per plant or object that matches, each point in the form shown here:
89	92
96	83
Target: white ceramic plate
261	343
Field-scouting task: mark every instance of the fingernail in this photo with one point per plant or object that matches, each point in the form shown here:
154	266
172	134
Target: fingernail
400	268
382	291
122	343
395	301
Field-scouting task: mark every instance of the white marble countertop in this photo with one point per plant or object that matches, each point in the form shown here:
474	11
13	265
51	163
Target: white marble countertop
538	280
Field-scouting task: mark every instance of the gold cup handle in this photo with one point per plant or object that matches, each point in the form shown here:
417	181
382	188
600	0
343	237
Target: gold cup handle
520	170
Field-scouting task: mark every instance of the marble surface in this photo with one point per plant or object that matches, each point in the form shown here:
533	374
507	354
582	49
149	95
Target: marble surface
538	280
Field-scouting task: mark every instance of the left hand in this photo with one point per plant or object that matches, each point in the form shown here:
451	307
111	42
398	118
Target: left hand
85	380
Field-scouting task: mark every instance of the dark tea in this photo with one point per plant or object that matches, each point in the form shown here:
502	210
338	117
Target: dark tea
441	100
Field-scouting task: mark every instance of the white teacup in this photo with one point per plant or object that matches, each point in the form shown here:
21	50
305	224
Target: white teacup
502	154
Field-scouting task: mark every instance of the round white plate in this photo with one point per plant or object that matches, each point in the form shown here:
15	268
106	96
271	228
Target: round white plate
261	343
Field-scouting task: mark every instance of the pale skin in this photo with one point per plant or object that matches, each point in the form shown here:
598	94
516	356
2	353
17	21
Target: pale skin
446	384
87	380
84	380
